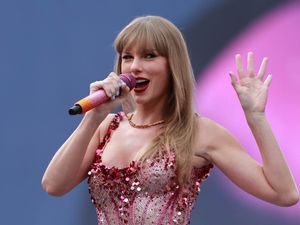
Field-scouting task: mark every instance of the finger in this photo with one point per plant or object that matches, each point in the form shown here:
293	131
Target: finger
95	86
239	65
234	81
250	67
112	74
116	86
121	84
114	80
109	89
262	68
268	80
104	85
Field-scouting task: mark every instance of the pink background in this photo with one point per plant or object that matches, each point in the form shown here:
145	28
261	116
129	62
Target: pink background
277	36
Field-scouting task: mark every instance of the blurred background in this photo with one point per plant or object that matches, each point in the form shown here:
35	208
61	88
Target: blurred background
50	51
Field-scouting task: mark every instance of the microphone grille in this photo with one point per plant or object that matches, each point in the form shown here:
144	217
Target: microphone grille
129	80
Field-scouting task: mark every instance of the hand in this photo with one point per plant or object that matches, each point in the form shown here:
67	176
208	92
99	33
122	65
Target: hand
251	88
114	88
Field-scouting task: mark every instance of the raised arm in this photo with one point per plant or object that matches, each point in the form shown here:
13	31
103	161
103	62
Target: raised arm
71	162
272	181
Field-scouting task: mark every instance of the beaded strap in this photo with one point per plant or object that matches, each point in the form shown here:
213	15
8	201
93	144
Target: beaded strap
114	124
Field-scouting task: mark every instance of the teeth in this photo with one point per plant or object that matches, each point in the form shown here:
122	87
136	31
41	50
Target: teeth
141	81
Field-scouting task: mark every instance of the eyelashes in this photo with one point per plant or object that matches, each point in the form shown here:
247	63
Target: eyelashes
145	56
126	57
150	55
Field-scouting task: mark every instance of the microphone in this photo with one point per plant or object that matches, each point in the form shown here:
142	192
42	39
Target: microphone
98	97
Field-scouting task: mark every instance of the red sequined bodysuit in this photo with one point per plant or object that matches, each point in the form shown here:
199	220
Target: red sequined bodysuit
142	194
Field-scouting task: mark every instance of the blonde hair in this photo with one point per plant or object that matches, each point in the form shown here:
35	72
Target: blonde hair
179	129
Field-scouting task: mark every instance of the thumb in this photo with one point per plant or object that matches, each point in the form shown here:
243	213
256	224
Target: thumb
234	81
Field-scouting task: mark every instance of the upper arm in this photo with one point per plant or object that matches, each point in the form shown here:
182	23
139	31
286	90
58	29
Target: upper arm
232	159
91	149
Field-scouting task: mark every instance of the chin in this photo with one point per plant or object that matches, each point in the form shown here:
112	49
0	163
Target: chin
140	99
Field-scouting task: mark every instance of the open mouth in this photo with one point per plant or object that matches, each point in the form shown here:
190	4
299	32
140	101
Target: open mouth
141	84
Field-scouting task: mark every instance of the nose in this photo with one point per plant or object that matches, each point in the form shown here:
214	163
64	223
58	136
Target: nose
136	65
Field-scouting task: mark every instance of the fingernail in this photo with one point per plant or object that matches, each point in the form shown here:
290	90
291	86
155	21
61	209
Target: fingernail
117	93
113	97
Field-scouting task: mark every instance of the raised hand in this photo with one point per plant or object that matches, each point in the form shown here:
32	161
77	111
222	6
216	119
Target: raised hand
251	88
114	88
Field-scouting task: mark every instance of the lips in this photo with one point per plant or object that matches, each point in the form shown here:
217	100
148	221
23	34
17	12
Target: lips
141	84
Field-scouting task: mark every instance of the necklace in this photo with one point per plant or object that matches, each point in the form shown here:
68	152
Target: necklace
142	126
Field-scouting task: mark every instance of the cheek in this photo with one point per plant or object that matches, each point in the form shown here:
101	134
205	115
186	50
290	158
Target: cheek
162	83
124	68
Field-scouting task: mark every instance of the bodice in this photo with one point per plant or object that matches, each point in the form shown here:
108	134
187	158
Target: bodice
142	193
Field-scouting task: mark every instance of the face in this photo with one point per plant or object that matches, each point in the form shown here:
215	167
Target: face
151	71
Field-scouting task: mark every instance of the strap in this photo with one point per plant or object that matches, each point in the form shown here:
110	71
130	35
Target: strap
113	125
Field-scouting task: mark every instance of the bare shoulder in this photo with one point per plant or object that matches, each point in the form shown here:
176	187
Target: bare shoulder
209	129
211	135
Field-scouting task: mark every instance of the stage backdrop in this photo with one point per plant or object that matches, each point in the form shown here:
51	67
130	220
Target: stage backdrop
50	51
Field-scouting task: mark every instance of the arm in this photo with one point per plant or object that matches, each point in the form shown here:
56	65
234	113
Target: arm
66	168
71	162
272	181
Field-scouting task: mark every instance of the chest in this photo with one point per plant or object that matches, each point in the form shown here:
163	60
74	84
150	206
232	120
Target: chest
125	143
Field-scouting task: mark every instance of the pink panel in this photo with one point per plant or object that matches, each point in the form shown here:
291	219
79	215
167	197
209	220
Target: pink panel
277	36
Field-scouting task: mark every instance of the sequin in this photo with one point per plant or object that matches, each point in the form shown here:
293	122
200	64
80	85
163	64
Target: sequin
142	194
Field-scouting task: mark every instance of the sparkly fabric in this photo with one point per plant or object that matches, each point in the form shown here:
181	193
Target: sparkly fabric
145	193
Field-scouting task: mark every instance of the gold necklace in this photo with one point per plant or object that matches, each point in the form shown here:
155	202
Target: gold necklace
142	126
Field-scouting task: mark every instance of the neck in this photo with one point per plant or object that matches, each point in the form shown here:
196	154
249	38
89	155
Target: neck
151	111
147	115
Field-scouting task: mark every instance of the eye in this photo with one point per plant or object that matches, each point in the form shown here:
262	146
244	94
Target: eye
126	57
150	55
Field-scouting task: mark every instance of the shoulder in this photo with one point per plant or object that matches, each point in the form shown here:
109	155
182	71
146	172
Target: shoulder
104	125
209	128
107	120
210	135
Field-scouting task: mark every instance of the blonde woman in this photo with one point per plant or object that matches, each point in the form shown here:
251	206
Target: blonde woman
145	165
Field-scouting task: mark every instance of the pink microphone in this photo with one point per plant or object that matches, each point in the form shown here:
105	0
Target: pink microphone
98	97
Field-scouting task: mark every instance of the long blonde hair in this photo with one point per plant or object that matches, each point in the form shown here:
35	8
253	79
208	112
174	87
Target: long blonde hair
179	129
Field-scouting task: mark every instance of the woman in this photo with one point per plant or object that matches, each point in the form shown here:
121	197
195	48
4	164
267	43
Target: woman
145	165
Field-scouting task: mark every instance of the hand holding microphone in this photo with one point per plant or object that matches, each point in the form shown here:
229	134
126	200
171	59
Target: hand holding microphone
103	91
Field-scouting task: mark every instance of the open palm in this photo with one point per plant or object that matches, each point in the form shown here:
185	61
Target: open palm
251	88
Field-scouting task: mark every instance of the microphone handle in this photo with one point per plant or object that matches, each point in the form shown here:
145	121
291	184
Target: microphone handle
89	102
98	97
